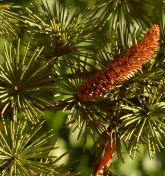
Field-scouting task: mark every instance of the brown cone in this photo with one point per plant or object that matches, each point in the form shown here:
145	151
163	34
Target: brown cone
121	69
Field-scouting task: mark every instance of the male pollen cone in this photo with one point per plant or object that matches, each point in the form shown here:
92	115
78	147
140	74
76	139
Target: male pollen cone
120	69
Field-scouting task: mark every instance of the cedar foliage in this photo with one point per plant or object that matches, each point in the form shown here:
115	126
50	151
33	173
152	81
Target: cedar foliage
50	51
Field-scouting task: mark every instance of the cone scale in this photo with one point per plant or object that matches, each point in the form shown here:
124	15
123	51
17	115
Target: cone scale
126	65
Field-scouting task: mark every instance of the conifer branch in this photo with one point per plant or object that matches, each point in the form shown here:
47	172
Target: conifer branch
20	155
62	28
23	82
87	62
10	22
